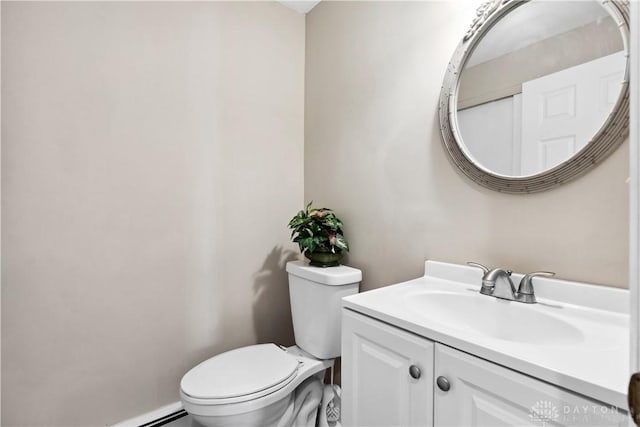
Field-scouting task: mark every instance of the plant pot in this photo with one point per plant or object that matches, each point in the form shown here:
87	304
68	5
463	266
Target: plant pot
323	259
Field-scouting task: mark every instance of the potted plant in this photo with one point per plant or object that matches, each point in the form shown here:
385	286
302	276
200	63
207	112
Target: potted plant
318	233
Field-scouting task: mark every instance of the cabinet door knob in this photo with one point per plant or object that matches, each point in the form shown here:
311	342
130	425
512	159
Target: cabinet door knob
414	371
443	383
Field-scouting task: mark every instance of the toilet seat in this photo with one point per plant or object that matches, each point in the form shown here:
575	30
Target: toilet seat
240	375
306	367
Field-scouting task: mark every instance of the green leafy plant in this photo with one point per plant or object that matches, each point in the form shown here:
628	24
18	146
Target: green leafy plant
318	230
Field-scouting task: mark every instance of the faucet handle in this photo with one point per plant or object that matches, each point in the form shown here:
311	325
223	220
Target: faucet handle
485	270
526	285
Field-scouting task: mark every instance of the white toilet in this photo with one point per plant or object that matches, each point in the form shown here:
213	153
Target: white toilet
269	385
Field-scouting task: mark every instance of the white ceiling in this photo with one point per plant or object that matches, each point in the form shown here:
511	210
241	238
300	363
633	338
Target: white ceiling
533	22
300	6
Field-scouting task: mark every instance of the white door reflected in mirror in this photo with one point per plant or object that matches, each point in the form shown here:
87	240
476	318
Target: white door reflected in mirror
562	111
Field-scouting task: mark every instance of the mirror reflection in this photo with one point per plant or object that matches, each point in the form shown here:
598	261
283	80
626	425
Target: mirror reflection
539	85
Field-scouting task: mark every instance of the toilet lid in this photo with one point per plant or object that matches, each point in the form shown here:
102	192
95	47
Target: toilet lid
240	372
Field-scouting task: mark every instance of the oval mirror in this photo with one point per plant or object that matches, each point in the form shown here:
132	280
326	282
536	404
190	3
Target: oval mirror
536	93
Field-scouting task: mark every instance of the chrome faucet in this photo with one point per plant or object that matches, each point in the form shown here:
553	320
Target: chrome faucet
505	289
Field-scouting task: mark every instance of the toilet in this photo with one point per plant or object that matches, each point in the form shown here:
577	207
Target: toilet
267	384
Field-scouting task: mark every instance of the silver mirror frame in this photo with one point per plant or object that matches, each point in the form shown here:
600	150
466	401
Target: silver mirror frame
614	131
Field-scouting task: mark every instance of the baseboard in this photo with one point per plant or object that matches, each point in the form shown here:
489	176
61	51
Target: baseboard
157	418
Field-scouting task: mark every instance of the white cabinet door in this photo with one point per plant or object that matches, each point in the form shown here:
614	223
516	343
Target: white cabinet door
484	394
378	388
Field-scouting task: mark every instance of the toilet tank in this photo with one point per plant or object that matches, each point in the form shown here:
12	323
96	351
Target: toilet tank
315	295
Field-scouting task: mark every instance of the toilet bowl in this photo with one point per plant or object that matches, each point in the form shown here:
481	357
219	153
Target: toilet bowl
269	385
251	385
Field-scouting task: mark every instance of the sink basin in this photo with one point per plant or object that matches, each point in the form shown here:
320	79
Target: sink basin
493	317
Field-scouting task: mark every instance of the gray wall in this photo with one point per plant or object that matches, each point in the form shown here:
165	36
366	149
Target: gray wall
152	156
373	152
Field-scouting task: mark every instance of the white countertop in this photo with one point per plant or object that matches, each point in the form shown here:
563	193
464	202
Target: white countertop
597	366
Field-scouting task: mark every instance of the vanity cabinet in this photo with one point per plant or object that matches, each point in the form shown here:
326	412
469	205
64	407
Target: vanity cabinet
482	393
387	374
391	377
